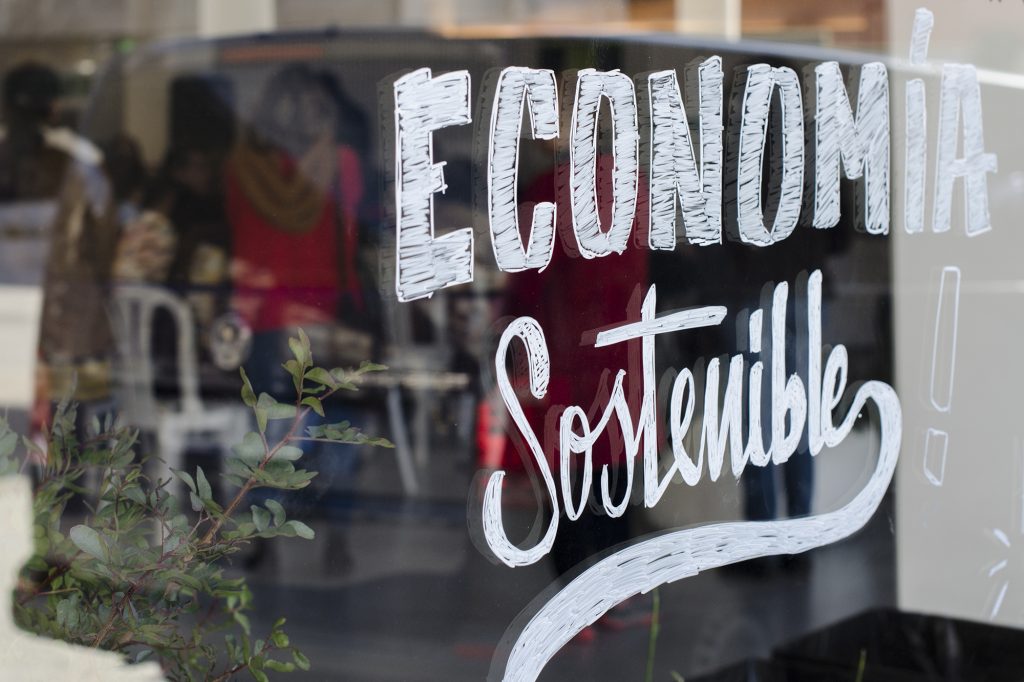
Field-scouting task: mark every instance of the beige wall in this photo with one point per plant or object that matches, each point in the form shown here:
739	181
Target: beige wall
947	536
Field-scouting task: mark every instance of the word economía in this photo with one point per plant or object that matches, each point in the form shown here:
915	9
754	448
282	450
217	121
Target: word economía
682	176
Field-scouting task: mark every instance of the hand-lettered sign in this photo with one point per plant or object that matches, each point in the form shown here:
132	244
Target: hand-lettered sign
714	179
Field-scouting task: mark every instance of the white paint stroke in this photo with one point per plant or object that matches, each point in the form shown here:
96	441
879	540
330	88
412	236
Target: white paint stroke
1001	536
536	89
707	316
815	408
762	80
997	603
789	402
960	107
673	168
916	127
916	157
920	35
423	105
755	451
947	316
936	443
755	325
591	87
860	142
999	600
529	331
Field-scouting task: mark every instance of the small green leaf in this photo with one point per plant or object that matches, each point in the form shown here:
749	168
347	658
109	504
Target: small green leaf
237	472
280	639
367	366
314	403
8	441
300	349
289	453
250	450
203	486
296	370
331	431
186	478
260	518
297	351
242	620
237	481
183	578
280	666
248	395
197	504
68	611
276	467
300	479
278	511
89	541
300	659
135	494
343	377
321	376
301	529
258	675
283	411
275	409
172	543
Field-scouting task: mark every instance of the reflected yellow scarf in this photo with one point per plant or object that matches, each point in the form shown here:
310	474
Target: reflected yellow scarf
291	199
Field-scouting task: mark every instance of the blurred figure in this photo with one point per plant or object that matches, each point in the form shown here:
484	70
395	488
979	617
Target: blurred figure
122	161
293	190
36	160
180	238
34	152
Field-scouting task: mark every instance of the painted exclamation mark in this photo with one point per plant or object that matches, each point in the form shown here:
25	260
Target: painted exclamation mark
943	370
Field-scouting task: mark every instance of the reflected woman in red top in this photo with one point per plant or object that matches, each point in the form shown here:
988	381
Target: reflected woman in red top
293	190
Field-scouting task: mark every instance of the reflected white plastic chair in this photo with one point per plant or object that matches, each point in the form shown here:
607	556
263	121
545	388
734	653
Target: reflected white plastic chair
134	308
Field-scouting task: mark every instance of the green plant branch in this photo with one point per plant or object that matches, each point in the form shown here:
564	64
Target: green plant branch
138	571
653	638
300	416
115	613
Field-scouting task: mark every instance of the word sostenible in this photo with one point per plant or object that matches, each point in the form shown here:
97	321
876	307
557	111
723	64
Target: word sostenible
793	405
856	141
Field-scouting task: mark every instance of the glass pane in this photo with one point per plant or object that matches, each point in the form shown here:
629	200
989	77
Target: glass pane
633	339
